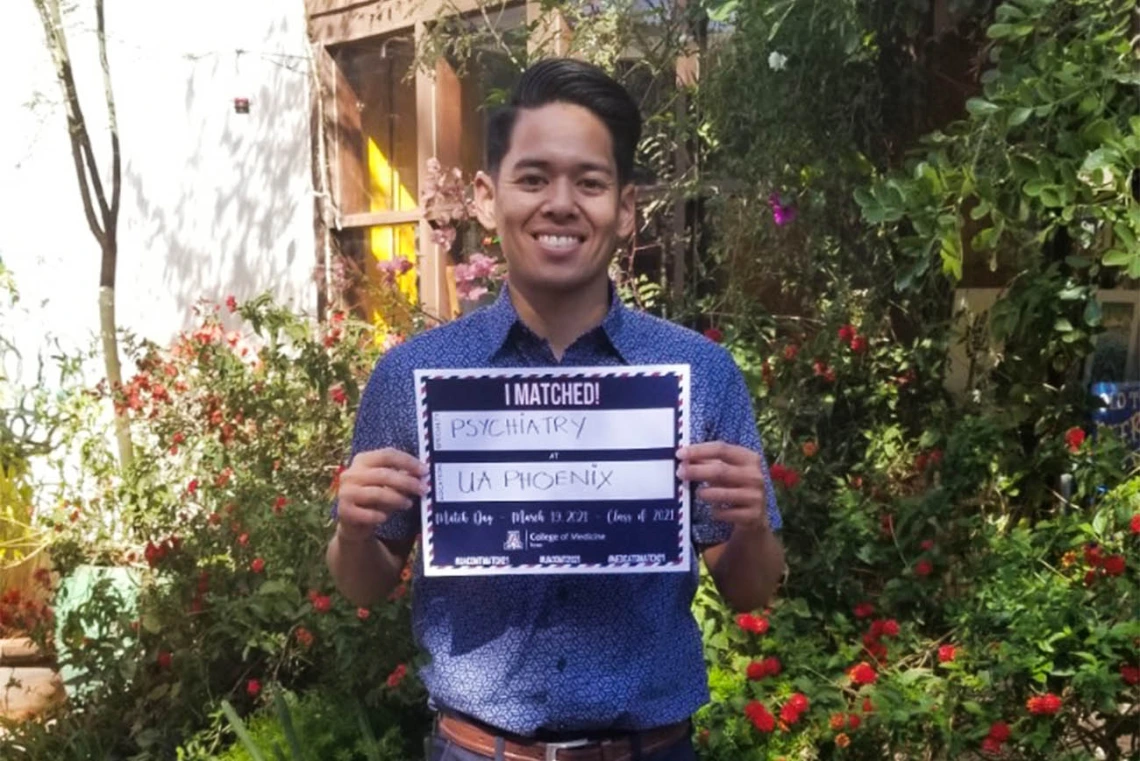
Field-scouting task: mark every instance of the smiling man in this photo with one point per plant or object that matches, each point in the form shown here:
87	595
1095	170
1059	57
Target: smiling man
560	668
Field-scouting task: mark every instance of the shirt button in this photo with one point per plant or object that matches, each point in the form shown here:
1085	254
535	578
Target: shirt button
561	664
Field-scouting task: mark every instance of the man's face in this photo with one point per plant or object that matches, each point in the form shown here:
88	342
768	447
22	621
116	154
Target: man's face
556	202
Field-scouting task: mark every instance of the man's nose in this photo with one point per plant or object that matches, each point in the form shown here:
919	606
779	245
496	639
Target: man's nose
560	202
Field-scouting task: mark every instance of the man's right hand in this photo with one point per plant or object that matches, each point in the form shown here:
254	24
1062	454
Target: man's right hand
375	485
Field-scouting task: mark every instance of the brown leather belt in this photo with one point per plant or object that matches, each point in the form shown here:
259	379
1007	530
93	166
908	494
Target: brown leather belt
476	739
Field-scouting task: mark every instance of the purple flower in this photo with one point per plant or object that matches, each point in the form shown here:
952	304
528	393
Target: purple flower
781	214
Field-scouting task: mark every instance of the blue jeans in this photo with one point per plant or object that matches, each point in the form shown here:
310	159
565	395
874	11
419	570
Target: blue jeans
444	750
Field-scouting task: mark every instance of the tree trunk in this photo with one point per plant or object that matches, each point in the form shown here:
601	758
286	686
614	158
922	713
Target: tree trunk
102	215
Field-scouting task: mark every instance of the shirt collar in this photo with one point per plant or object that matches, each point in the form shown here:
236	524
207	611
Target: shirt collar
501	318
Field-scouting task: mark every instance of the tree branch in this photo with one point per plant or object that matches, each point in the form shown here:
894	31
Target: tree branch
112	120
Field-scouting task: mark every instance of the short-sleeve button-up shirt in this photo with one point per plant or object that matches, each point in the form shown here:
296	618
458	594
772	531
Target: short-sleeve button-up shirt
561	653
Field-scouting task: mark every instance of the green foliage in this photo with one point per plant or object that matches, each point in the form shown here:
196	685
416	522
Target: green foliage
225	526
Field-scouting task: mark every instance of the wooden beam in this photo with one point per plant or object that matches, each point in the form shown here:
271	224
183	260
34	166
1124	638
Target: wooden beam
550	34
356	21
377	218
432	261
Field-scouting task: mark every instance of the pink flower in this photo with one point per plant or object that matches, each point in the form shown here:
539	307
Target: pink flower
781	214
231	304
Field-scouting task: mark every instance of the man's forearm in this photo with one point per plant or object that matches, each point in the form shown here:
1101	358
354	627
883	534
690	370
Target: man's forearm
747	568
365	571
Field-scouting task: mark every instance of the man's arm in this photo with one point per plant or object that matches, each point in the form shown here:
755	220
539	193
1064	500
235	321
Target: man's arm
366	570
747	568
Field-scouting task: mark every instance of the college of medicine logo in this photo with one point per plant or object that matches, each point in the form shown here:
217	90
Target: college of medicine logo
514	541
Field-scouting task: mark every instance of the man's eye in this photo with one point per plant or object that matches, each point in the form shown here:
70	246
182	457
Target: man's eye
593	185
531	180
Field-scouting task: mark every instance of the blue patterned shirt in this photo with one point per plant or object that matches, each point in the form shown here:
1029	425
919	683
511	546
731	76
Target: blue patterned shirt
560	653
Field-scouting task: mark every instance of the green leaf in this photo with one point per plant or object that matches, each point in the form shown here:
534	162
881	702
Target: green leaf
982	107
1019	116
1062	325
999	31
1078	262
1118	258
1033	188
1093	314
241	731
286	718
1051	196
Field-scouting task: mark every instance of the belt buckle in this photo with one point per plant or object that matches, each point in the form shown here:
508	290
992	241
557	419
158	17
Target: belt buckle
553	748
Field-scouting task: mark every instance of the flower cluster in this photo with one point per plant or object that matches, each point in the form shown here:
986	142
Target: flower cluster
1074	438
998	735
1044	705
850	336
752	623
786	476
758	670
474	277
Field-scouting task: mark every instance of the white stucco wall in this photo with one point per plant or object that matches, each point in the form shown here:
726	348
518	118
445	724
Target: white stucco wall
214	203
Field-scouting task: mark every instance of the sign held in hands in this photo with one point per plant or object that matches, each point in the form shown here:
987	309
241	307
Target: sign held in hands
554	470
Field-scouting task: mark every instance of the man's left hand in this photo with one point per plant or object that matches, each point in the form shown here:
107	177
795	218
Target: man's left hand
733	482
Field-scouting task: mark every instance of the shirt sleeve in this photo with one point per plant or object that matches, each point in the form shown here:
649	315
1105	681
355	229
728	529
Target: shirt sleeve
385	418
736	424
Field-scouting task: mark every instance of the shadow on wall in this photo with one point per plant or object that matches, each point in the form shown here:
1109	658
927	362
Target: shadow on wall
221	203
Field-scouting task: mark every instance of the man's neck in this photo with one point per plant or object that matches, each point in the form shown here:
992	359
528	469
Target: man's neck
561	318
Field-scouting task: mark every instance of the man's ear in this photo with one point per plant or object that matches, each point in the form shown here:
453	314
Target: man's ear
485	200
627	210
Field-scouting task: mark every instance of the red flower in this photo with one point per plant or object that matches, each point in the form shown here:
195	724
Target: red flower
253	687
1090	577
947	653
363	613
231	304
1134	524
1046	705
864	673
790	352
927	545
772	665
789	715
810	449
846	333
991	746
751	623
853	720
759	716
304	636
923	567
1074	437
397	676
858	344
1130	674
224	477
756	670
829	375
1094	556
214	519
338	394
279	504
714	335
178	438
154	553
782	474
257	565
864	610
192	486
165	658
322	603
891	628
868	706
799	702
1114	565
999	731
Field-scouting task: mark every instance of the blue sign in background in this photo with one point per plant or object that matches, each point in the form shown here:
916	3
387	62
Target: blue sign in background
486	535
1121	410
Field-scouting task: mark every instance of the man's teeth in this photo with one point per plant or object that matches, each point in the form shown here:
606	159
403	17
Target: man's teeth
558	241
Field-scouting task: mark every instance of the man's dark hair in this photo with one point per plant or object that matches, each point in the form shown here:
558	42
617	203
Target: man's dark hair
566	80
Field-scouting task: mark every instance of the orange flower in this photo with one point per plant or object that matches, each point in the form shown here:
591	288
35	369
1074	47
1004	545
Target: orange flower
842	740
810	449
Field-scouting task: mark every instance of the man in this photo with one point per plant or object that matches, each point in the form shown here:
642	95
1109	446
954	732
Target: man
581	667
